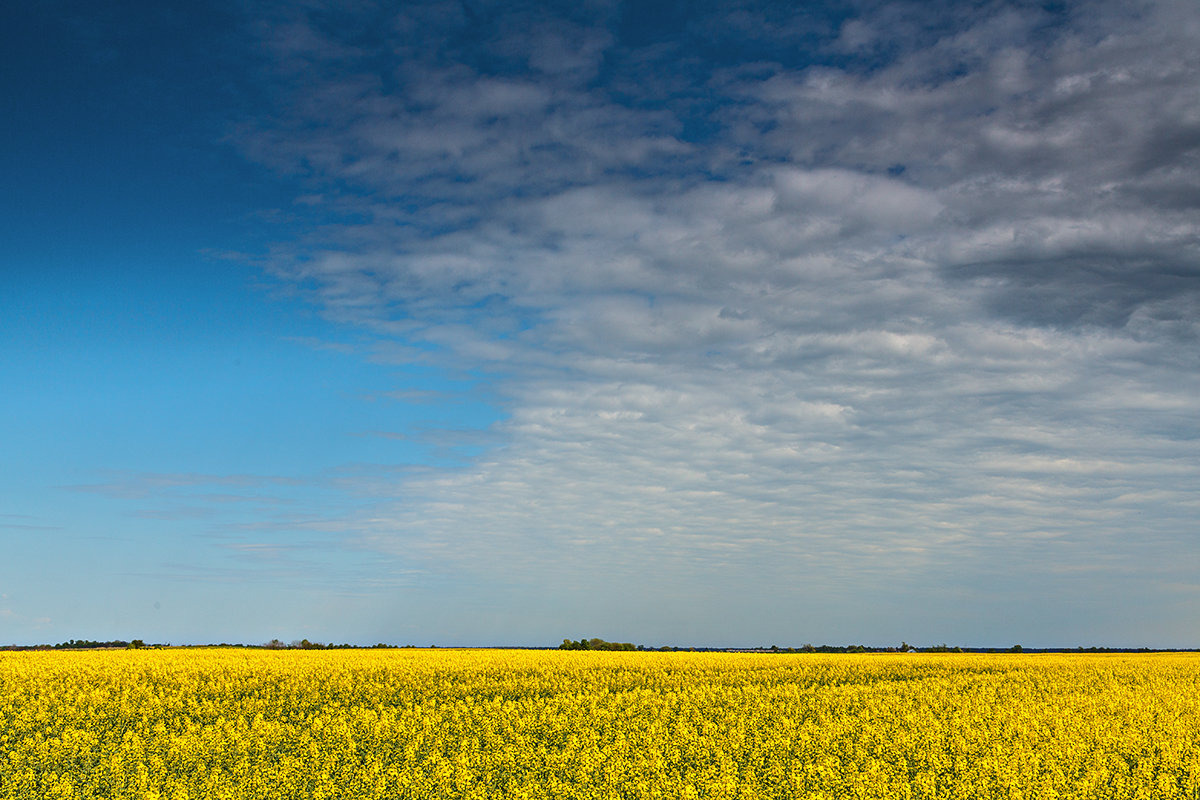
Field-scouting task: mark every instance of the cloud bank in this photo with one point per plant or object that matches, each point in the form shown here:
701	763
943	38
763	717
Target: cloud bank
826	322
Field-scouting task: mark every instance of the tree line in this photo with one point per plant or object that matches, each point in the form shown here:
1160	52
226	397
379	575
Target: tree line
597	644
903	647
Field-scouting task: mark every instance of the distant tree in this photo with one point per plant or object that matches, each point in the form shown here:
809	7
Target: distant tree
596	644
1016	648
305	644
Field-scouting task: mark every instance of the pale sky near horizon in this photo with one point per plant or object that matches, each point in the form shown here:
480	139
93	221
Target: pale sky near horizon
482	323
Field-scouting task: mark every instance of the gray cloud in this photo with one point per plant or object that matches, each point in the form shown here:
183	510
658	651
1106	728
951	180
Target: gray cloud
921	310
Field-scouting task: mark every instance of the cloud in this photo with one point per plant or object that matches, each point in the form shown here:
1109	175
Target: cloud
24	526
924	303
124	484
12	617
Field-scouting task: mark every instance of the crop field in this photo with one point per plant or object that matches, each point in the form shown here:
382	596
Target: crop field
518	724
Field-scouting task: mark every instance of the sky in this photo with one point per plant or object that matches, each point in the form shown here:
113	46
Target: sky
692	323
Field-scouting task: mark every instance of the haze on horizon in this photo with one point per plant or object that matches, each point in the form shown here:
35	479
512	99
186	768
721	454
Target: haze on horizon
672	323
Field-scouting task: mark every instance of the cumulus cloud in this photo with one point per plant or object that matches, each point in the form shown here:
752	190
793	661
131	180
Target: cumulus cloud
918	306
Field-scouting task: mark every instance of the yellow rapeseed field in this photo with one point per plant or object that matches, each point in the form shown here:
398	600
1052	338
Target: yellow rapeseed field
505	724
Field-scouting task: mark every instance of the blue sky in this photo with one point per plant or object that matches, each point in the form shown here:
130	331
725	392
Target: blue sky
712	324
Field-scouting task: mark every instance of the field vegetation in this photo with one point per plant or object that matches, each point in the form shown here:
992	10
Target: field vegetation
228	723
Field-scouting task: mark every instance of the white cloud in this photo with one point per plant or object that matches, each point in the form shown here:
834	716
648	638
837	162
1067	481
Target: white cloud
897	323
